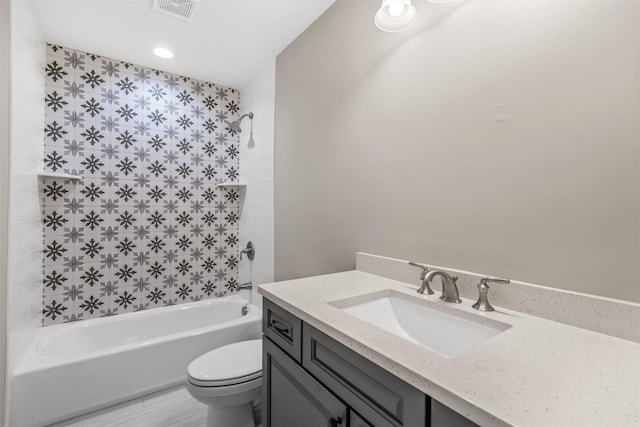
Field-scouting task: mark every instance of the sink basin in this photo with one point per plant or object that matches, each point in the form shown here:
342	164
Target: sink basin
424	323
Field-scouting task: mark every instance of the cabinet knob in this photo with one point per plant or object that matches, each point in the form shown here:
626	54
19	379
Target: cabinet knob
335	421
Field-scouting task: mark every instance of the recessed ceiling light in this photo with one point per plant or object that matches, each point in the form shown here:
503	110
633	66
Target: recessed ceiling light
163	52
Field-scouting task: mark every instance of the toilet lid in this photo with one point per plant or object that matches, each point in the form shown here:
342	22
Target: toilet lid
231	364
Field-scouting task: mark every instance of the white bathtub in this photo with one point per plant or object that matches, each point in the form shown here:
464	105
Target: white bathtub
77	368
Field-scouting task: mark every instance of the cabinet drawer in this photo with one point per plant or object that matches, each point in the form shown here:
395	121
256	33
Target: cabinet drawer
283	328
379	396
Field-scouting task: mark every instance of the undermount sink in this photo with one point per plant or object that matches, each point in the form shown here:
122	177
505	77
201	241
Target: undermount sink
424	323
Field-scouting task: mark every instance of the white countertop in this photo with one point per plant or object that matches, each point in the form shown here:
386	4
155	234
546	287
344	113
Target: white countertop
537	373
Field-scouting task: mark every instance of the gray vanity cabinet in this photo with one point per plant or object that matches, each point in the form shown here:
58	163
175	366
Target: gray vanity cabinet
356	421
292	397
379	396
441	416
309	380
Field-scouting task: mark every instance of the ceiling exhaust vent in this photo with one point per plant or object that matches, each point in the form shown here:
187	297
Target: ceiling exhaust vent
182	9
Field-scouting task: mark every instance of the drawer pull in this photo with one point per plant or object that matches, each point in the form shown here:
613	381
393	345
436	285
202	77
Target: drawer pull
335	421
280	327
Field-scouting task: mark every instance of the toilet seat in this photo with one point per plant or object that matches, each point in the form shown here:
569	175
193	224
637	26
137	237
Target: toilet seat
232	364
225	382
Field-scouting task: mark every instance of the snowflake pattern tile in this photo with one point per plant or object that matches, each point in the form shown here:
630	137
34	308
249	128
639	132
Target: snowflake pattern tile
146	227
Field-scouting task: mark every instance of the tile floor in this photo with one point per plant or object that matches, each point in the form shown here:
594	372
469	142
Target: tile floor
169	408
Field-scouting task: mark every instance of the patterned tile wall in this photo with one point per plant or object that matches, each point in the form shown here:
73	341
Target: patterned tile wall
146	225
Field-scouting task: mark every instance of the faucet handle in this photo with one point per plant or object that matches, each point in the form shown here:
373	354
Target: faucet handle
494	280
424	268
483	301
424	287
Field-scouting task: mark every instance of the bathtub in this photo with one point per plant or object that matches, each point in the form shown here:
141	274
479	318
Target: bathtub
76	368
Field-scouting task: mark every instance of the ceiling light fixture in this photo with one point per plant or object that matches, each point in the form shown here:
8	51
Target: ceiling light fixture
163	52
395	15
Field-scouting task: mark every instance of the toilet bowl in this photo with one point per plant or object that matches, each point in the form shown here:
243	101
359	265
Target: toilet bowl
228	380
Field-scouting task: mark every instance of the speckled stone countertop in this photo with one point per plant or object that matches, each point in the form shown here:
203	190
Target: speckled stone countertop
536	373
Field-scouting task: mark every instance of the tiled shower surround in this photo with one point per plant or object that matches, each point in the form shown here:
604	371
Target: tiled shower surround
145	226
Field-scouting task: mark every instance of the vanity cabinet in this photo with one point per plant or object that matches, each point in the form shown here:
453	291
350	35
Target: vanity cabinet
380	397
293	397
309	379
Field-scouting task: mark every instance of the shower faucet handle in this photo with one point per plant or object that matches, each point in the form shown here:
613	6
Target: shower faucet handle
250	251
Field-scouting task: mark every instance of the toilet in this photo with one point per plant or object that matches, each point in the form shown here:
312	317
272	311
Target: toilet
228	380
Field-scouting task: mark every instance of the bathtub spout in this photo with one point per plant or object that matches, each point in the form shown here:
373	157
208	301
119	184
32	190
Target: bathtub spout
247	285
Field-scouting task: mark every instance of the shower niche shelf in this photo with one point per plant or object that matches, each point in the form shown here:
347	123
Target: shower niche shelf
59	176
241	187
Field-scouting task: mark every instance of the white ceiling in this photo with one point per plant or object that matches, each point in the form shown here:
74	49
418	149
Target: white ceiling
227	42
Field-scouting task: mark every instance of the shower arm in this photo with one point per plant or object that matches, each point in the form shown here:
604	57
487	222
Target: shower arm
250	115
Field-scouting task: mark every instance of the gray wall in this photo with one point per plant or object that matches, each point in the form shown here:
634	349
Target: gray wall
500	137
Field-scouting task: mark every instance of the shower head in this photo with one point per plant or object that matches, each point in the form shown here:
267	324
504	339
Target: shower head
234	126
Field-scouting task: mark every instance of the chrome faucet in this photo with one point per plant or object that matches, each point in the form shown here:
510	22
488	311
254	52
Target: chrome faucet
449	287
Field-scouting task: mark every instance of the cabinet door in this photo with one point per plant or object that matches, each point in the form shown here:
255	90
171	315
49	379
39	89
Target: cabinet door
356	420
292	398
379	396
441	416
